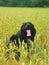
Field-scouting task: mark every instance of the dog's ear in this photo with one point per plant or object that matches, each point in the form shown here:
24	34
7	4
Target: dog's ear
32	25
33	31
23	26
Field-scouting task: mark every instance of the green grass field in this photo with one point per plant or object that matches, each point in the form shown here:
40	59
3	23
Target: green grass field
11	20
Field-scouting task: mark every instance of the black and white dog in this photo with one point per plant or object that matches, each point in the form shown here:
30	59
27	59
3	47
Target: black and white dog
26	33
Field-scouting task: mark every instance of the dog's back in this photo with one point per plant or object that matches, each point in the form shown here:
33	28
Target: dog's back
12	38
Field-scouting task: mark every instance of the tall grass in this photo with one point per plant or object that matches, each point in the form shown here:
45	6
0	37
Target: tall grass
11	20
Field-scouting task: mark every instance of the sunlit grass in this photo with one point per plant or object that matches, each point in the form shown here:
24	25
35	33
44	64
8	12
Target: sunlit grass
11	20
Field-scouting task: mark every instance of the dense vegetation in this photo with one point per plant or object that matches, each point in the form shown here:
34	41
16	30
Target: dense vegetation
11	20
25	3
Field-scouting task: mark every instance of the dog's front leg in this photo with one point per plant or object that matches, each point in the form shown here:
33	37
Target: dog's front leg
28	47
17	43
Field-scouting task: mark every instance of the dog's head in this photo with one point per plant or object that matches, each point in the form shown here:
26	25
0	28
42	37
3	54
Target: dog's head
28	29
